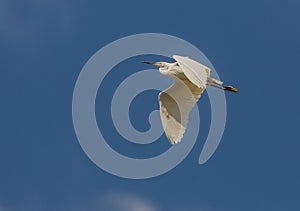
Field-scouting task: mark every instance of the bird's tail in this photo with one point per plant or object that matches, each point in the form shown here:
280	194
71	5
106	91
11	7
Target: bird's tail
231	89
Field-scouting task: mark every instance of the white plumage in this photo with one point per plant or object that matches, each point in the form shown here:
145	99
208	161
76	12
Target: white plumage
190	80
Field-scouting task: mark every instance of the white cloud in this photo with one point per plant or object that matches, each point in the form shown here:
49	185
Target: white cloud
116	201
124	201
111	201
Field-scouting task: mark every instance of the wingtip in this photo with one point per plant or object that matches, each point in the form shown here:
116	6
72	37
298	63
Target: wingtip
173	141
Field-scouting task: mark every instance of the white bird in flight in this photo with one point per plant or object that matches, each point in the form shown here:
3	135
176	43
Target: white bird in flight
190	80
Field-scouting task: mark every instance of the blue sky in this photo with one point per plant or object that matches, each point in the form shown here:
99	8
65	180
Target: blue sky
252	44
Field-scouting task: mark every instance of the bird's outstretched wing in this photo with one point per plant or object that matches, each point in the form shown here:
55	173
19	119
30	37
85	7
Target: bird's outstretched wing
197	73
175	104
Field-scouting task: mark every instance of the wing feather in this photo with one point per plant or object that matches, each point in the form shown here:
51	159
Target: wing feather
197	73
175	104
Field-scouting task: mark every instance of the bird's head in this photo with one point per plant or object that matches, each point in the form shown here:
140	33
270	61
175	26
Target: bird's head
160	65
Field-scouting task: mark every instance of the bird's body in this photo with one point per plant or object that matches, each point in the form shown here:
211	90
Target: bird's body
190	80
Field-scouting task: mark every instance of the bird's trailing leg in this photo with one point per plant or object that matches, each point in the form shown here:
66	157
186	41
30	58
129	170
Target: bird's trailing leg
219	84
214	82
230	88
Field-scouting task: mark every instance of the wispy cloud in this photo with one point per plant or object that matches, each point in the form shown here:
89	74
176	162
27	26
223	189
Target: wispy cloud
118	200
115	201
112	201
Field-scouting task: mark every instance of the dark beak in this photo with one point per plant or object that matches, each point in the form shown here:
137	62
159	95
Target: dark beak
156	64
152	63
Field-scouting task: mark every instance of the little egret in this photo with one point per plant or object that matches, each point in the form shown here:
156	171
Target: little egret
190	80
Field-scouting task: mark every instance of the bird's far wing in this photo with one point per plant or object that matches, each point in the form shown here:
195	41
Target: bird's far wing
175	104
197	73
